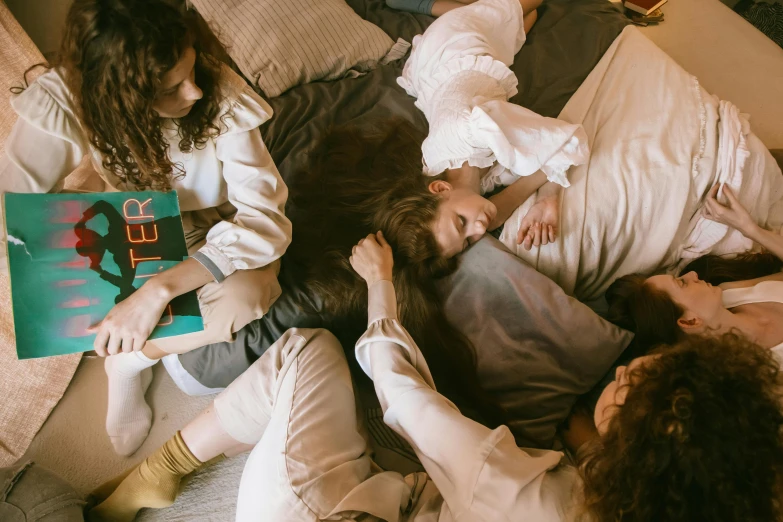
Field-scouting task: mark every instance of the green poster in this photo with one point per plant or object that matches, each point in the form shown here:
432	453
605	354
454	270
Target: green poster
72	257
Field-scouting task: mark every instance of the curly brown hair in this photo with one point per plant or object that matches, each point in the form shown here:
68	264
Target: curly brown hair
114	54
699	437
360	180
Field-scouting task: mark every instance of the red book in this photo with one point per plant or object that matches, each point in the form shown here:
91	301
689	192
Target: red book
644	7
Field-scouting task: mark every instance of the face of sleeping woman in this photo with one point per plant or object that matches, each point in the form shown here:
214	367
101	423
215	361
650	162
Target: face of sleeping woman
463	217
178	90
702	303
613	396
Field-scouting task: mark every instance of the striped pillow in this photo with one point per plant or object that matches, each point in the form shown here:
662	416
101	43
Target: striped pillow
278	44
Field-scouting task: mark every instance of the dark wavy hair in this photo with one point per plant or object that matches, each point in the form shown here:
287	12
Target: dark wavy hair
652	315
699	437
114	54
359	181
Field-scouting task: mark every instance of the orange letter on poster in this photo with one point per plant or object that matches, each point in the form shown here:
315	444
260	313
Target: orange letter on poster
144	238
135	259
140	206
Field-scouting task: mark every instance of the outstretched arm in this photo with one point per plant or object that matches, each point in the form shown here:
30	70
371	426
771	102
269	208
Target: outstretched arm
511	197
467	462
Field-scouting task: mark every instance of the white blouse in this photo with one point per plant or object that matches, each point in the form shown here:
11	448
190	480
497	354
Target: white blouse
47	143
473	473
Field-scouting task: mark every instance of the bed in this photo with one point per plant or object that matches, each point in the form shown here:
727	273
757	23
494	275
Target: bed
527	332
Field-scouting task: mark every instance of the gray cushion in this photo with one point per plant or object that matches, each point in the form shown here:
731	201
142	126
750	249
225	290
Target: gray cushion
537	348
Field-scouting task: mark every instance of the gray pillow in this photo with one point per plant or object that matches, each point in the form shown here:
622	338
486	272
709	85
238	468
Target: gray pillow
537	348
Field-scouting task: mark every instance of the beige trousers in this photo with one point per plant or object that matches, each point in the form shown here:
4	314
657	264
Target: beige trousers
244	296
311	460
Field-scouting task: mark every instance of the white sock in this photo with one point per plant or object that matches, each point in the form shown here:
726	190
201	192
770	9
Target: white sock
129	418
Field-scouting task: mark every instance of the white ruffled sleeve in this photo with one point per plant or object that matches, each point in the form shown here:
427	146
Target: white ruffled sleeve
45	145
259	233
525	142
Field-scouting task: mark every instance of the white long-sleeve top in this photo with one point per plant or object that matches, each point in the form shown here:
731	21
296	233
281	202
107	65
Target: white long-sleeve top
48	142
478	474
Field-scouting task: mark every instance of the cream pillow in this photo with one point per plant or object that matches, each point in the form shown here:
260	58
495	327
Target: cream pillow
278	44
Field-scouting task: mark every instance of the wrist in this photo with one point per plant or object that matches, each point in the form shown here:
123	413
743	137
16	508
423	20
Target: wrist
753	232
380	277
159	290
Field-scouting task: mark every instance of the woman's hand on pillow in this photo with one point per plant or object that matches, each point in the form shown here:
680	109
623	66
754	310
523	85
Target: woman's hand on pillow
372	259
732	213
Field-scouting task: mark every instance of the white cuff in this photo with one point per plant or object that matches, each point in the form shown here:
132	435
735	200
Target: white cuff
215	261
381	301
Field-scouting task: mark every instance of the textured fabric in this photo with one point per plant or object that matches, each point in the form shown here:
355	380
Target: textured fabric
30	388
412	6
765	16
234	167
29	492
458	71
278	44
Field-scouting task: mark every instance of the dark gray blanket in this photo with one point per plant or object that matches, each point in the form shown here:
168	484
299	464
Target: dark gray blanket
543	348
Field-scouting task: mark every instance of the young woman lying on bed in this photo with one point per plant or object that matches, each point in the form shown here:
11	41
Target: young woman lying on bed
137	88
459	74
747	296
691	432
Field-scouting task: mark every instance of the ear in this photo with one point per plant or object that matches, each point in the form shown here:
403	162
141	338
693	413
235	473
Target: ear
439	186
690	323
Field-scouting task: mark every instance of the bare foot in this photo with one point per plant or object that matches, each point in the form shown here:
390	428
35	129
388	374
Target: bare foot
539	226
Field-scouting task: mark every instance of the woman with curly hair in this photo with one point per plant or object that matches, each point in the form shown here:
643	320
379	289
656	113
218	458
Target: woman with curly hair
690	432
137	87
714	295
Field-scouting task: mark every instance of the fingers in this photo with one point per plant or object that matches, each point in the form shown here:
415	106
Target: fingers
114	345
127	344
552	234
99	345
381	239
713	193
523	232
732	198
537	234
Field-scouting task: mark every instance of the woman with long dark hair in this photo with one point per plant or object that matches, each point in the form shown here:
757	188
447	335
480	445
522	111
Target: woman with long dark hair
138	87
362	179
714	295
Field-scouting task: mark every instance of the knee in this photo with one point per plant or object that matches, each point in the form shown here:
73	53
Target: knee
323	339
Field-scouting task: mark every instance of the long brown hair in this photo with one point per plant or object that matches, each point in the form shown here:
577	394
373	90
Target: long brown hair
114	54
652	315
359	181
699	437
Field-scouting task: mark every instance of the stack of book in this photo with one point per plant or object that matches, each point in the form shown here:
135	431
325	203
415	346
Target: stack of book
644	12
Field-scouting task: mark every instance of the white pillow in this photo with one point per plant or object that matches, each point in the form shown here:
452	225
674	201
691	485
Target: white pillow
278	44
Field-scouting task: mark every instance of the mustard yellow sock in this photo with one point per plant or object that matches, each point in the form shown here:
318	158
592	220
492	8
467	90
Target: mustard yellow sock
154	483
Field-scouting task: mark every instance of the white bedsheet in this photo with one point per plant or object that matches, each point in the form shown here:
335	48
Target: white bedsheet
656	151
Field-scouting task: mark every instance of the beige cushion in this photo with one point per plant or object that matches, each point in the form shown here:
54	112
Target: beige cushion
29	389
278	44
731	58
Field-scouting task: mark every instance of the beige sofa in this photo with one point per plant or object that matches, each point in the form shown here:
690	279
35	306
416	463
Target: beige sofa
29	389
